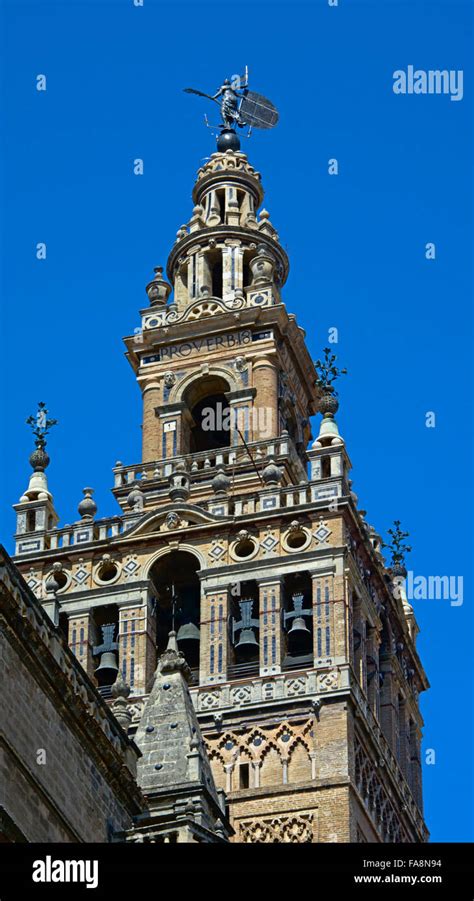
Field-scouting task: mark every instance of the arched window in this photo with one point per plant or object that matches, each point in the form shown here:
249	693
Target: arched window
210	414
176	583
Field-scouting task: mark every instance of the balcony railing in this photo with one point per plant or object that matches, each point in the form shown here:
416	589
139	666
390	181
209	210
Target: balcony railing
204	461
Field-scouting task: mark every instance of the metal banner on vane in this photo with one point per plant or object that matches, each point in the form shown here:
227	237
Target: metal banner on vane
239	108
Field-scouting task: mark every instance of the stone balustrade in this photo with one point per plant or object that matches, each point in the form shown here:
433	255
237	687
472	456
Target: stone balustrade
204	461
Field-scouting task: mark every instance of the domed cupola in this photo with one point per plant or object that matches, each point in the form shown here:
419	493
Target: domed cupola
227	251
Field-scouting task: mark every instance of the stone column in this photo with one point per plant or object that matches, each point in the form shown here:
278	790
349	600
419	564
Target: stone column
213	209
151	432
137	651
256	764
170	426
388	702
81	638
358	637
323	618
241	414
272	643
232	206
415	746
372	652
192	277
214	642
402	736
204	278
265	380
228	272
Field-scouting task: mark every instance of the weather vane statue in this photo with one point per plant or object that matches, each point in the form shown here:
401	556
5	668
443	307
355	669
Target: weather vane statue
239	108
40	424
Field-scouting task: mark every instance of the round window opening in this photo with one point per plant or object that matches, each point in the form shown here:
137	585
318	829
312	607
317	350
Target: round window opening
296	540
60	578
244	548
107	572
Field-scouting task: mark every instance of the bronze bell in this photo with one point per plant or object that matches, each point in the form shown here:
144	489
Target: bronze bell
107	670
188	632
299	625
299	633
247	640
247	645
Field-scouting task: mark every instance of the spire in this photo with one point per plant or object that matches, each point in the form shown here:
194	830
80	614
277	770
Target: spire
36	515
399	548
39	459
328	372
174	772
328	430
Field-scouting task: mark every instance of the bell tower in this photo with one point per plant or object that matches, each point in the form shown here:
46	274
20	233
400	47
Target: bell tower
239	531
216	336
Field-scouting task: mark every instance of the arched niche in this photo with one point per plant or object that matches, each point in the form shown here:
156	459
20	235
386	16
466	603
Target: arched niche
209	421
176	586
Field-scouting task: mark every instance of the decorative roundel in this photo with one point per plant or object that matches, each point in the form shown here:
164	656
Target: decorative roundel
243	548
260	298
106	572
60	577
296	539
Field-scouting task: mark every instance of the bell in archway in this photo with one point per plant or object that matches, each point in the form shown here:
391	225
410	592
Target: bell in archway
107	670
247	645
188	632
298	635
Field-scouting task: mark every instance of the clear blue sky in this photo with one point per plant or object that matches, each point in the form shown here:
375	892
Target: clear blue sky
356	242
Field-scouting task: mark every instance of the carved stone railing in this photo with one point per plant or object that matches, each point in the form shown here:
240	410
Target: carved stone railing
205	461
276	687
82	533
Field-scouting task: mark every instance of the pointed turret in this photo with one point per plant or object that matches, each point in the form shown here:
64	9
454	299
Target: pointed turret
35	513
174	772
328	458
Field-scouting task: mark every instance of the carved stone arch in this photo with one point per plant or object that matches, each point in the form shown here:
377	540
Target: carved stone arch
283	730
206	412
214	754
244	754
299	761
182	385
271	769
189	514
269	744
163	551
298	740
219	773
256	743
230	754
